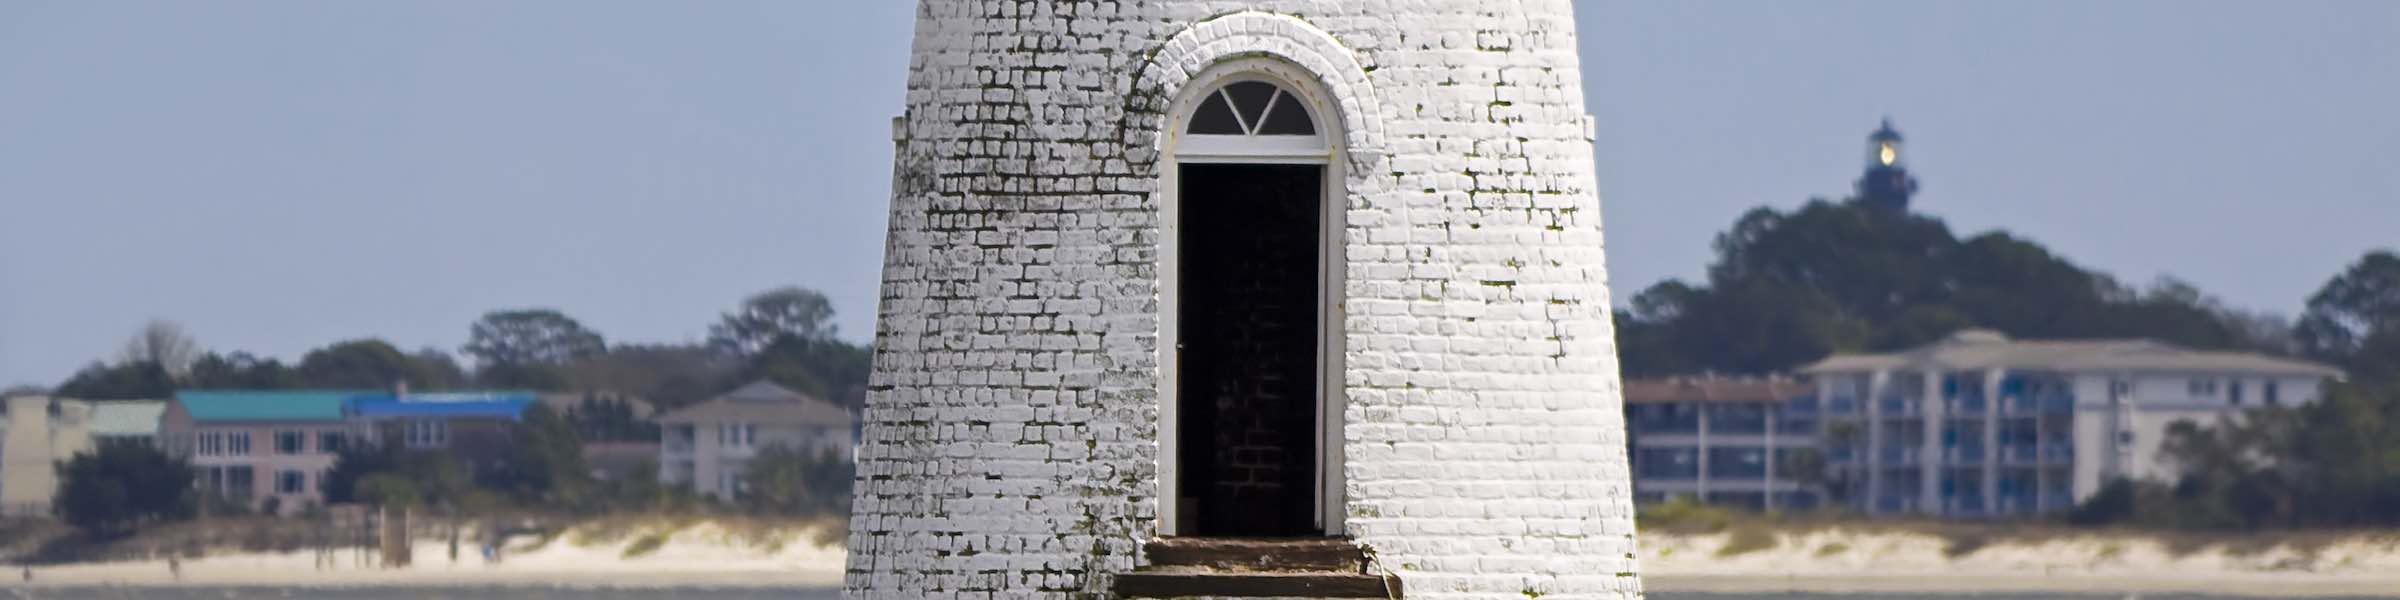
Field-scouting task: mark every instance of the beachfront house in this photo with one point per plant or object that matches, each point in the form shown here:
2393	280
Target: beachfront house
1724	440
1982	425
477	427
708	446
253	447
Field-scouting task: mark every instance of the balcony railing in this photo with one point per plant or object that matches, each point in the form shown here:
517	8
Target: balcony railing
1966	503
1963	453
1900	456
1891	504
1902	407
1841	405
1971	406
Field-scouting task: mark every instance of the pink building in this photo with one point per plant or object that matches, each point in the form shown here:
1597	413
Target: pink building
252	446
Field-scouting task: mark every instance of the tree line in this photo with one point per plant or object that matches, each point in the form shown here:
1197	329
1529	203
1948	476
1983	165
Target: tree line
1789	288
785	335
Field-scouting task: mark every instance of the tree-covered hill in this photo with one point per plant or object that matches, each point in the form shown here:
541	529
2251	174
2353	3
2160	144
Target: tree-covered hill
1791	287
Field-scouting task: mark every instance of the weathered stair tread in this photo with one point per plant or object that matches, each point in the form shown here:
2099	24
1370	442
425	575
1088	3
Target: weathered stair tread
1164	584
1257	554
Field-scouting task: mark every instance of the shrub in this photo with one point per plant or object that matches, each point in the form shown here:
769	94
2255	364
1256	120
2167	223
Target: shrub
647	544
1747	539
123	486
1683	514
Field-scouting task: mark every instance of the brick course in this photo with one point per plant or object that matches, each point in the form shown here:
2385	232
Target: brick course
1011	445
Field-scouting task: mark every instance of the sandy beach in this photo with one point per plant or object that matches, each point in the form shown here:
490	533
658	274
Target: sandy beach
702	554
1840	561
1823	561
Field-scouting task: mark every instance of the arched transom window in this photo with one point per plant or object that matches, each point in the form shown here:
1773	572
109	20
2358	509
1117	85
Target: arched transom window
1252	108
1251	119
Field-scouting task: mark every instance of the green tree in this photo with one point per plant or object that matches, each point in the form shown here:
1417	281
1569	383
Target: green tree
667	375
825	368
787	481
434	477
1791	287
438	370
2361	302
358	364
604	417
241	371
770	316
537	336
548	465
119	487
123	381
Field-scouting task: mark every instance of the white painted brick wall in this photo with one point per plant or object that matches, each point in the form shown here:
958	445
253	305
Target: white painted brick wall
1011	442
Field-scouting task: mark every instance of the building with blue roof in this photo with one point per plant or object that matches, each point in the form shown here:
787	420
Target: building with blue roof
257	446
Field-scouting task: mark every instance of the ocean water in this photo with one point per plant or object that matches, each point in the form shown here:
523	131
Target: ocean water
1966	596
760	593
419	593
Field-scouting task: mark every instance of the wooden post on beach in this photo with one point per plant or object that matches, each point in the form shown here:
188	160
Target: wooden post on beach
395	542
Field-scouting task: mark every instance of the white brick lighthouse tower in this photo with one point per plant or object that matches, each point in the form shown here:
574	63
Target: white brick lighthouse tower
1297	298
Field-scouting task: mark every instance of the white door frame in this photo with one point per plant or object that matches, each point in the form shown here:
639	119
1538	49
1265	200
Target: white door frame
1324	149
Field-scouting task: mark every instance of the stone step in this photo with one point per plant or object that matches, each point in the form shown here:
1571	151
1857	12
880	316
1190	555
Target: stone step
1295	584
1257	554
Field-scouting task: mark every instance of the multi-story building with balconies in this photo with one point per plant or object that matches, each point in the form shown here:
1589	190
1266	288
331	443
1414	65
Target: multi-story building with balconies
1981	425
1724	441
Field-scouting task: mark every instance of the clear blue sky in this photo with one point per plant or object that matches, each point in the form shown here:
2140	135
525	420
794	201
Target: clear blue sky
279	175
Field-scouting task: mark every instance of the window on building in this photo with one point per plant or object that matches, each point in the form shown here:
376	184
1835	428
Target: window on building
1667	463
291	482
1666	418
737	435
1845	387
1750	463
237	443
2233	392
238	482
2270	394
427	433
291	442
1738	418
330	442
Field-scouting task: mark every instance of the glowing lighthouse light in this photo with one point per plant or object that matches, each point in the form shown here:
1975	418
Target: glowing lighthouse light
1888	154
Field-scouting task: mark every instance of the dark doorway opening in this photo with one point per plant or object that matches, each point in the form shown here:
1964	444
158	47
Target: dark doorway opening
1248	322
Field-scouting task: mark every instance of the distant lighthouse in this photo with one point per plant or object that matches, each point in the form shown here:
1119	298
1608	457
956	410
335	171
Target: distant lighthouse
1292	297
1886	185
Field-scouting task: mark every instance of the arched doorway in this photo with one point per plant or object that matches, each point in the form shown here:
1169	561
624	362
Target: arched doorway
1251	261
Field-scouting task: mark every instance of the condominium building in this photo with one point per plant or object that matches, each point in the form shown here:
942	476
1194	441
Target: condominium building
1730	441
1981	425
